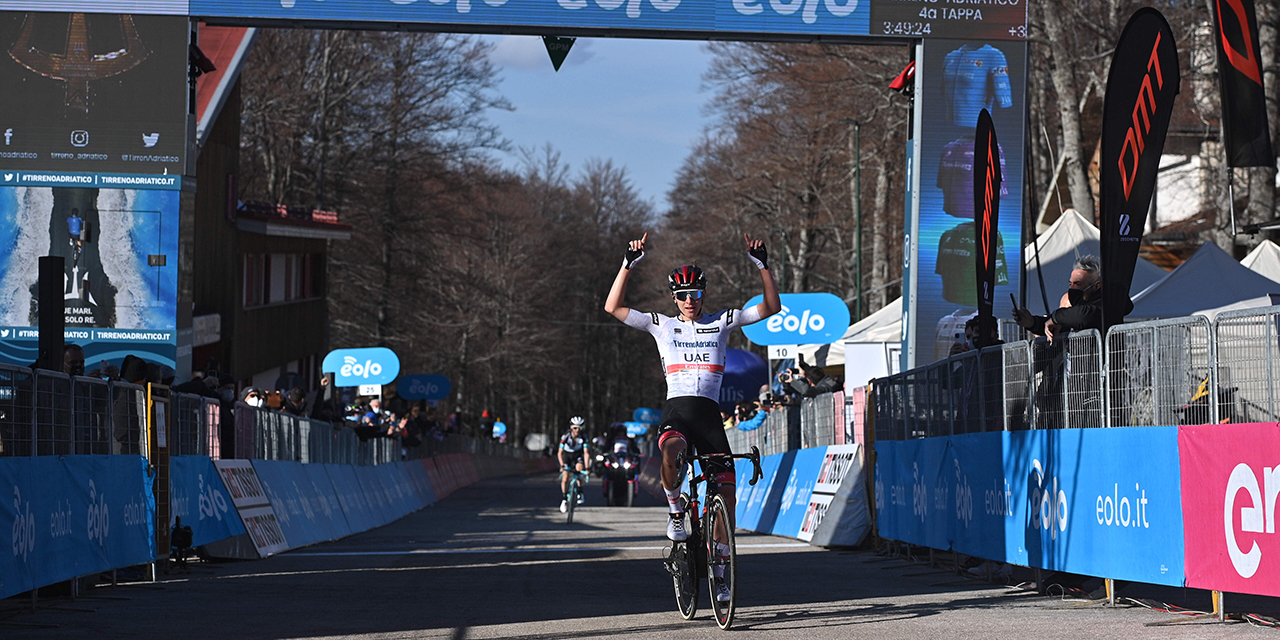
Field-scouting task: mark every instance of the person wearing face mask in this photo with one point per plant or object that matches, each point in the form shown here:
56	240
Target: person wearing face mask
253	397
1084	304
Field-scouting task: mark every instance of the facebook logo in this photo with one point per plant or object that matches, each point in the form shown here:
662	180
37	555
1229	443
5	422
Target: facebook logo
8	136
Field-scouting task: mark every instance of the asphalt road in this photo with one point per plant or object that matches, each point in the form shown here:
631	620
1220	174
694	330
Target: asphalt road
497	560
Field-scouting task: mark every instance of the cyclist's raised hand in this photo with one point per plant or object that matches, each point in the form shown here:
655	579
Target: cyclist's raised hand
635	252
757	252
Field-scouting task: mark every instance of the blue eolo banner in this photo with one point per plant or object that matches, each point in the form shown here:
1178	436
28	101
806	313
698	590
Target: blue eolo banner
696	18
197	495
805	318
354	367
1101	502
67	516
431	386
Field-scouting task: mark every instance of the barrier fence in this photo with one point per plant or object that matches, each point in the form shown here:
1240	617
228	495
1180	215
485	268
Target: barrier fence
998	454
1158	373
816	422
45	413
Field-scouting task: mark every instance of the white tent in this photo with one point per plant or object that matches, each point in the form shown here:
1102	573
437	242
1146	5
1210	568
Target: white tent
1264	259
1070	237
1207	282
884	325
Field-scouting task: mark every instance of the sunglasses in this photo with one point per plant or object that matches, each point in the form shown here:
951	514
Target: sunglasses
692	294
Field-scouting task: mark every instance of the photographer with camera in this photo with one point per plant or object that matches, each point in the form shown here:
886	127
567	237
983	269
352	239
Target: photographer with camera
810	381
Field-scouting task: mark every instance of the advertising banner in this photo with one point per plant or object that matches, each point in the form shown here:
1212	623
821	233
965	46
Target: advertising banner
957	80
1141	87
291	494
1229	488
351	497
805	318
893	18
354	367
93	92
839	463
120	251
198	497
1247	136
987	181
1076	500
424	387
253	504
170	7
68	516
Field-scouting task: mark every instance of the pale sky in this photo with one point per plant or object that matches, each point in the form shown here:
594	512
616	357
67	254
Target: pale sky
636	102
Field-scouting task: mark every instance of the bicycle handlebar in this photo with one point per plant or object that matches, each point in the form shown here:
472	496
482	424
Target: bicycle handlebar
754	457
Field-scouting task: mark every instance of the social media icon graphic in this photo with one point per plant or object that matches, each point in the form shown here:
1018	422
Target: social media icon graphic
150	140
4	333
8	177
79	138
8	136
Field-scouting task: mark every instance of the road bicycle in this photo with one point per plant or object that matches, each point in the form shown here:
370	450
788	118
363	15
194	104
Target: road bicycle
696	557
575	490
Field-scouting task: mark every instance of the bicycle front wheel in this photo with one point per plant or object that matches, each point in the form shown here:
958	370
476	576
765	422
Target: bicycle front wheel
573	497
722	561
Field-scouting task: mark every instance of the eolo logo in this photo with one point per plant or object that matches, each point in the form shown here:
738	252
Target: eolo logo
354	369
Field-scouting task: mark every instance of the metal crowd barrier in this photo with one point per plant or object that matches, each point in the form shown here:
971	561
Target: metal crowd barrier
1158	373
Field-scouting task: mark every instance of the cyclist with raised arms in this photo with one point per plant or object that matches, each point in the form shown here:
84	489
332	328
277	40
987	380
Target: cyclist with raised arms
692	346
572	454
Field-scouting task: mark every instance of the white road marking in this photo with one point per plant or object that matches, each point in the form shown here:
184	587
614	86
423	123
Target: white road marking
316	554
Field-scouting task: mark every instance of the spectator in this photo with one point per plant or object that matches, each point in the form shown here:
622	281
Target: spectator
813	382
295	402
322	404
486	423
253	397
971	334
752	415
1084	298
73	360
373	417
202	384
106	371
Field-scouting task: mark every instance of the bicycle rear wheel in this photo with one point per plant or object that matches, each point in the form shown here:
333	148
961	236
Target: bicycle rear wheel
683	566
717	517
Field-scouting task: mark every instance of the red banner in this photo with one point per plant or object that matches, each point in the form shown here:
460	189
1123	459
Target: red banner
1230	485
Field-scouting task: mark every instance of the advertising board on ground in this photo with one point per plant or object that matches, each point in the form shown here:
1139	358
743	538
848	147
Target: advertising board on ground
251	501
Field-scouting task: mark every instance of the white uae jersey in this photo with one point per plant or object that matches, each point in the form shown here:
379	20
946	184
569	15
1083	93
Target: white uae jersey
693	352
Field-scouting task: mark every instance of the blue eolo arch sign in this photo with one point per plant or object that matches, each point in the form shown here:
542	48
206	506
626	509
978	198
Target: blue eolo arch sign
354	367
744	19
806	318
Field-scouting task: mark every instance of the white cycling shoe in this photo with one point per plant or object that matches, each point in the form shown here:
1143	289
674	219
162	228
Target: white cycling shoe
675	528
722	591
564	506
580	498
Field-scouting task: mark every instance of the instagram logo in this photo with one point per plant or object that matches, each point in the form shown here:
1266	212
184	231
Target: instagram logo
79	138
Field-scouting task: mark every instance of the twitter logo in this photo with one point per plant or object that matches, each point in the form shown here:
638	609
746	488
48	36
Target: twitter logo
4	333
8	177
150	140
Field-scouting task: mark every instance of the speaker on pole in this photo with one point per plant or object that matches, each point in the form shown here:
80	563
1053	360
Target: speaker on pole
51	304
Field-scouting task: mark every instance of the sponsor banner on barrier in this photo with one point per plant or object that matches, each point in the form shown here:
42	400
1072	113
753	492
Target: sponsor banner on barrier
794	501
250	499
290	493
327	502
751	499
836	462
69	516
351	497
1230	480
201	500
1077	500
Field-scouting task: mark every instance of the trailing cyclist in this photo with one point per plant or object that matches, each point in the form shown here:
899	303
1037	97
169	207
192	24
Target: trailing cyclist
572	454
692	346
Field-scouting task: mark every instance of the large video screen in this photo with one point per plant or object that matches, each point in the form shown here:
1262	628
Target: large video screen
120	255
102	93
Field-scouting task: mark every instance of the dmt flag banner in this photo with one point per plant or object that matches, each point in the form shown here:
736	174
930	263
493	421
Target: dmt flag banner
1141	89
1244	101
986	210
1230	479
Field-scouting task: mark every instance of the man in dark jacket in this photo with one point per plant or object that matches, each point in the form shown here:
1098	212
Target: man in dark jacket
1081	308
814	382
